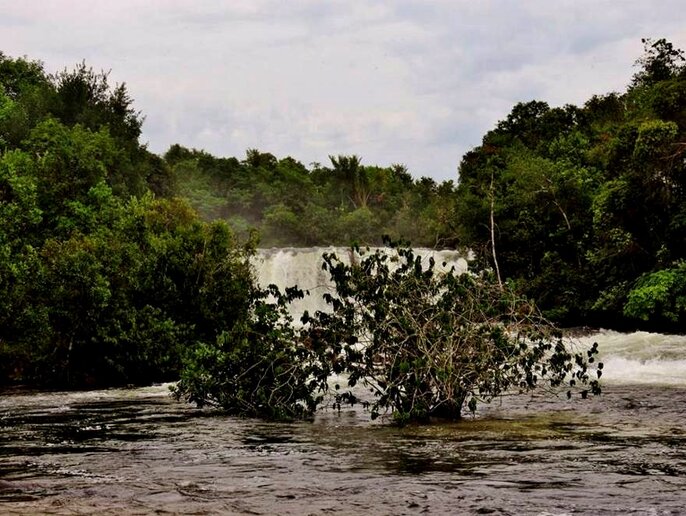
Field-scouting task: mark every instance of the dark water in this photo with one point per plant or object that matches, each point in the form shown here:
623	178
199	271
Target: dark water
139	452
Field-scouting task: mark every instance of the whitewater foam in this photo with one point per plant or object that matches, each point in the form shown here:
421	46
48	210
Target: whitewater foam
628	358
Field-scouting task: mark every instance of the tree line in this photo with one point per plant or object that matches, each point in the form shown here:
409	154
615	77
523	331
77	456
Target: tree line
292	205
119	267
582	207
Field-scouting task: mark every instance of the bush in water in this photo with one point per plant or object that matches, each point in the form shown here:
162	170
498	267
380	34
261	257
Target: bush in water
427	343
258	367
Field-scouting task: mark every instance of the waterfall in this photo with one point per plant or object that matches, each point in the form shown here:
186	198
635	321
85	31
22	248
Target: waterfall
289	266
639	357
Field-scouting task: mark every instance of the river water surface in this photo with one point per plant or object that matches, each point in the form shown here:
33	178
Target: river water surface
139	452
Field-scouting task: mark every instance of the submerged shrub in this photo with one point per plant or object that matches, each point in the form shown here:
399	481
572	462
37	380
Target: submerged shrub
427	344
259	367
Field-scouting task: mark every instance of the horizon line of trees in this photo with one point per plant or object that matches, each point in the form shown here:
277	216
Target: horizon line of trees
583	207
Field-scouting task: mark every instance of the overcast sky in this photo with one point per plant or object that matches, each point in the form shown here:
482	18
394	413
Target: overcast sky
413	82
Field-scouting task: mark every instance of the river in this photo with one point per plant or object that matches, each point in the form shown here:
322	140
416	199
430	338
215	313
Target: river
137	451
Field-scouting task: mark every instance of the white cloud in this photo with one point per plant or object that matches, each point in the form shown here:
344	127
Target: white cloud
405	81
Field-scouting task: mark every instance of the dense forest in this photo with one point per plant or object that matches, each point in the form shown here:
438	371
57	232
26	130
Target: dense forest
292	205
115	262
585	207
105	277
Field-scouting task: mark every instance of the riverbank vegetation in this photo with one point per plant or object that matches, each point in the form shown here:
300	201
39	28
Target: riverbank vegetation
585	207
119	267
105	279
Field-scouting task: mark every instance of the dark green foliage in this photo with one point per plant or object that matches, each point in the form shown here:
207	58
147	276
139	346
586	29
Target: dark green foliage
118	297
79	98
101	283
660	62
588	203
84	97
258	368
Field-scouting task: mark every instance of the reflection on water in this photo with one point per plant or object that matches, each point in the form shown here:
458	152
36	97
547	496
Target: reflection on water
138	451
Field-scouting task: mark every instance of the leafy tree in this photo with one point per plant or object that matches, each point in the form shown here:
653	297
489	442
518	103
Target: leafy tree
17	75
79	97
659	295
101	283
660	62
353	178
85	97
576	204
427	344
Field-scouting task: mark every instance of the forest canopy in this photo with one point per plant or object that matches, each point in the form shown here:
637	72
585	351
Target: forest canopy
105	277
292	205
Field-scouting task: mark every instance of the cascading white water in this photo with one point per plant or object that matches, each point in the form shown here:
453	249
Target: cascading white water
629	358
291	266
641	357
